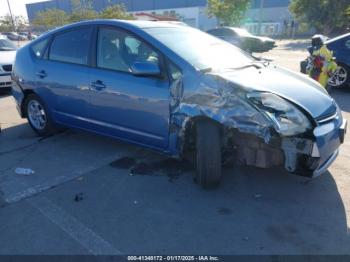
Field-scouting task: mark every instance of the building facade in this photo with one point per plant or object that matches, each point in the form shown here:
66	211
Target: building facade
273	13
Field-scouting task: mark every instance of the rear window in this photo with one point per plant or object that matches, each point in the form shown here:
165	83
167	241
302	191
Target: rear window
72	46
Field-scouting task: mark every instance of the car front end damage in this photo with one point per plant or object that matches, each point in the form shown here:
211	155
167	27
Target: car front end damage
250	135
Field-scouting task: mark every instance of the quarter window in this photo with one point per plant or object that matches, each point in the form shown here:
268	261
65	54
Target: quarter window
39	48
175	72
72	46
118	50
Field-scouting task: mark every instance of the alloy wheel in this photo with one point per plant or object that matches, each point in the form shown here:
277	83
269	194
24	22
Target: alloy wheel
339	77
37	115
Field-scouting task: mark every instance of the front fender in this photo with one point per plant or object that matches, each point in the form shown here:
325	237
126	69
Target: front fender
218	100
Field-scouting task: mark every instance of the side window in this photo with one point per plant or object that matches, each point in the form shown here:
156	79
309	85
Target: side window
72	46
39	48
118	50
347	43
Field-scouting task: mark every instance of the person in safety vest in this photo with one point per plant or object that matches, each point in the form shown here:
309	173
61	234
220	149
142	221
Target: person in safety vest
322	63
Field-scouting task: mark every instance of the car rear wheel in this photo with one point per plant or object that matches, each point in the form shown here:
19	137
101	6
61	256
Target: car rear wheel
208	154
341	77
38	116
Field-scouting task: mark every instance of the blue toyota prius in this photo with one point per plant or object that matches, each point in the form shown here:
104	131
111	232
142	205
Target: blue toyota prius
177	90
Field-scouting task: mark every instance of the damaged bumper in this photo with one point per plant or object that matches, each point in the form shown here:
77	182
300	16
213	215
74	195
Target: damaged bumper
312	158
328	141
309	155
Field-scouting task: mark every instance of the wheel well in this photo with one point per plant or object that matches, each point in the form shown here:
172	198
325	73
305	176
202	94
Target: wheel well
26	93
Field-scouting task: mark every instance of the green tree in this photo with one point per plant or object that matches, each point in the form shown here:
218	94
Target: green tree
6	23
50	18
82	10
229	12
115	12
325	16
347	12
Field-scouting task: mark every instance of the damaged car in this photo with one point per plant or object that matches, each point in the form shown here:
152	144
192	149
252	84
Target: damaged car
180	91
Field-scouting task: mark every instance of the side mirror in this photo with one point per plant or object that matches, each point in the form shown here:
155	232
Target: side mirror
145	69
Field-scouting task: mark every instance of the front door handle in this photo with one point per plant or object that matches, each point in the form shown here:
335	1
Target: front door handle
41	74
98	85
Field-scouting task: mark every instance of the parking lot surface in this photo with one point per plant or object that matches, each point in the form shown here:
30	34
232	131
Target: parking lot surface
95	195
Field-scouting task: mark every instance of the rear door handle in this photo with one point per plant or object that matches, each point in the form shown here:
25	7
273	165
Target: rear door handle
98	85
41	74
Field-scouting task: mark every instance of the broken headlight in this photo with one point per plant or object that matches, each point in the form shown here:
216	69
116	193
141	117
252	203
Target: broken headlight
288	120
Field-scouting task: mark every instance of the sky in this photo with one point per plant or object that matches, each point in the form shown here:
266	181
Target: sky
18	7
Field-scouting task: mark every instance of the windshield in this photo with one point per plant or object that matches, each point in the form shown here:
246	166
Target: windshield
201	50
6	45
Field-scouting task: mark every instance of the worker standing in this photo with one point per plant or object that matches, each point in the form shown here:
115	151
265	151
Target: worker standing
323	65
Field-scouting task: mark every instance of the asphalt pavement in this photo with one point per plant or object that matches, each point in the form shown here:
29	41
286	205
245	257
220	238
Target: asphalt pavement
95	195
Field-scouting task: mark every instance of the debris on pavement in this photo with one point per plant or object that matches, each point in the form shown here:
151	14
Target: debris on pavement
24	171
173	168
258	195
79	197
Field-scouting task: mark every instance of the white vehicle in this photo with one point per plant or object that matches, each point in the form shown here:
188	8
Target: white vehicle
7	58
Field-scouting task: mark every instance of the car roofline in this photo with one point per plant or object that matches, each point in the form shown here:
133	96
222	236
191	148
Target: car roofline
337	38
126	24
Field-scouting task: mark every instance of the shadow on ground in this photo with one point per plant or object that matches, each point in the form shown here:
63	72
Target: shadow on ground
253	212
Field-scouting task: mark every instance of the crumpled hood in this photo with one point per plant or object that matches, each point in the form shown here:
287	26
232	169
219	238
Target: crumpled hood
299	89
7	57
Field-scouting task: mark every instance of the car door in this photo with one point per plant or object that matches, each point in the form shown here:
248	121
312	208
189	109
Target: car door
63	77
133	108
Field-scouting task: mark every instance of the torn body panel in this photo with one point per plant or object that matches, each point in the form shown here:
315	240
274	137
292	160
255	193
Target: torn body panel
248	135
216	99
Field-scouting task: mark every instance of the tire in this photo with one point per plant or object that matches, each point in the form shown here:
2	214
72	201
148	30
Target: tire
329	88
38	116
343	77
208	155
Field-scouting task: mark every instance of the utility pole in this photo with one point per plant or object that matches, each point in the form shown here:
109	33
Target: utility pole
13	22
260	16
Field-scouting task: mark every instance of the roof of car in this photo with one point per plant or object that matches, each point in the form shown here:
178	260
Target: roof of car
134	23
337	38
137	24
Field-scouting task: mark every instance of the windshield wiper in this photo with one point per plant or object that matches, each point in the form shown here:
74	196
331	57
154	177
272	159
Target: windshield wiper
257	66
264	61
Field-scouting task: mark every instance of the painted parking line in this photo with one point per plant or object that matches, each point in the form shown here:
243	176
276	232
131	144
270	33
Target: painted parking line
87	238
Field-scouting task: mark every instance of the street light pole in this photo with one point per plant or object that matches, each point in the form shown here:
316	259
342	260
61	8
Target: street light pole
13	22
